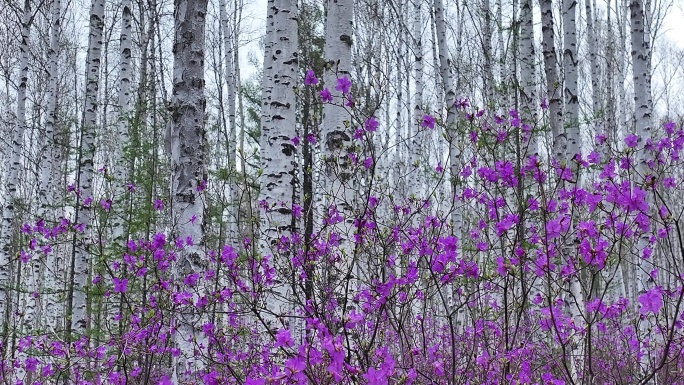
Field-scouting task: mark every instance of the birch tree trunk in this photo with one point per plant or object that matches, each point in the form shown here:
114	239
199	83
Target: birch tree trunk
11	179
121	165
336	137
553	83
643	105
415	179
46	164
46	161
81	253
188	167
528	87
488	76
572	124
277	149
452	135
233	210
595	69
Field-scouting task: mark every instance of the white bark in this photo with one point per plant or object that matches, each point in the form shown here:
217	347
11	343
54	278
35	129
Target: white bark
572	124
415	179
553	92
528	94
488	78
121	165
47	164
277	149
336	138
450	99
11	178
188	167
643	105
595	68
233	209
81	258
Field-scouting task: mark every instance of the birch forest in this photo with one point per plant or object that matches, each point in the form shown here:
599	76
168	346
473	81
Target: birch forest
368	192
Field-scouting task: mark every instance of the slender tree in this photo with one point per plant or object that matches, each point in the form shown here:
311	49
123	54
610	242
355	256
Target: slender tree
277	193
121	174
228	38
553	83
416	137
188	166
571	117
11	178
47	160
528	88
337	178
81	252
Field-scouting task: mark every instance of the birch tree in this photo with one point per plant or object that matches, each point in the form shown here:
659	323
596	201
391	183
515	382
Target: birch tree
415	179
81	252
277	148
231	145
124	104
572	123
188	167
11	177
643	110
337	176
47	156
528	88
592	42
553	84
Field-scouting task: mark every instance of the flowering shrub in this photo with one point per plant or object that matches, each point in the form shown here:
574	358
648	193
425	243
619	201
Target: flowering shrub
562	272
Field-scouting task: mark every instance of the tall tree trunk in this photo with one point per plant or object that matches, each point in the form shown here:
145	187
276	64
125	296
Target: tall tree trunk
528	88
553	84
596	102
488	76
643	106
450	103
572	118
11	179
81	253
188	167
51	310
124	101
277	149
234	207
415	179
337	176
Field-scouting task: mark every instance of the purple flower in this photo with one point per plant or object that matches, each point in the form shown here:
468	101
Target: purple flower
428	121
326	96
191	279
651	301
106	204
296	211
158	204
283	338
295	141
371	124
31	364
310	79
120	285
343	85
311	138
631	140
